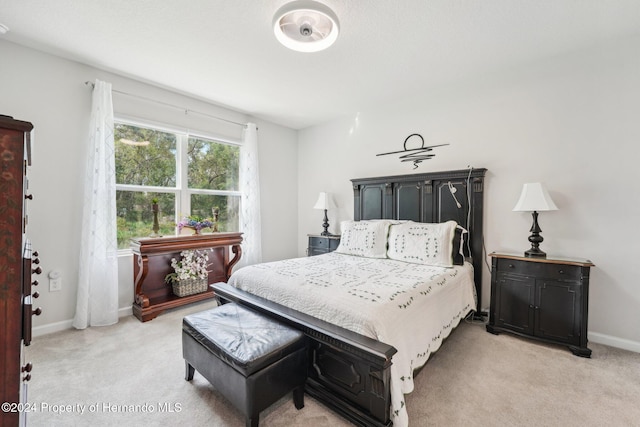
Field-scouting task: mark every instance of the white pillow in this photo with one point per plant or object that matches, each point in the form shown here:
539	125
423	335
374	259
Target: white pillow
364	238
422	243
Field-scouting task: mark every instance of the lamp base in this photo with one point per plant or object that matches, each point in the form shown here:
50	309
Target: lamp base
535	239
535	253
325	225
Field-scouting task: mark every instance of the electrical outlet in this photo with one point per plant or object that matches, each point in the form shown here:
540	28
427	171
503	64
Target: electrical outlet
55	284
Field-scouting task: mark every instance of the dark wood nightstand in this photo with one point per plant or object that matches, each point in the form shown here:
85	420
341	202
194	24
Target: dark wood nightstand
319	244
541	298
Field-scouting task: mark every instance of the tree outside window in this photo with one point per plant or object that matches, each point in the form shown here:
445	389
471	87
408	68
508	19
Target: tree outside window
187	175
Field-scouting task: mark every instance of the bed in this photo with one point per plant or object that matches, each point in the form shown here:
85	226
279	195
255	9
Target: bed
374	317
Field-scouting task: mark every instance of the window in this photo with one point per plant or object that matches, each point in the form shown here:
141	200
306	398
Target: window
187	174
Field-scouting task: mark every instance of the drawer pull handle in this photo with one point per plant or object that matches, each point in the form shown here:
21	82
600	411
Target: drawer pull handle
511	266
561	271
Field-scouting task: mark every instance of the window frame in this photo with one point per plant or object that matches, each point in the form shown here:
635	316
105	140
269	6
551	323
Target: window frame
182	194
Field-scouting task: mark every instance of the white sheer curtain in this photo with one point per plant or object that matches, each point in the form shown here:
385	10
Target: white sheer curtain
97	303
250	201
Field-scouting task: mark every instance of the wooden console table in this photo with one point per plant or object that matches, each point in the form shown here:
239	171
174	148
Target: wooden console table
152	262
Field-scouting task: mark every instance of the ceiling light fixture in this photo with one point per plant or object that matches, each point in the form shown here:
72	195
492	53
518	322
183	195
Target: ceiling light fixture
4	29
306	26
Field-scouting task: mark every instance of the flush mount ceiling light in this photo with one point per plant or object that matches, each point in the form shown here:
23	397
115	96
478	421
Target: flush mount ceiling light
306	26
3	29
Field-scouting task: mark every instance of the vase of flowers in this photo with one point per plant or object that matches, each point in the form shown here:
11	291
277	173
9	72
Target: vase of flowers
190	273
194	222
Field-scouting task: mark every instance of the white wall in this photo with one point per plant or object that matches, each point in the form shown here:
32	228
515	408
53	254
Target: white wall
571	122
50	92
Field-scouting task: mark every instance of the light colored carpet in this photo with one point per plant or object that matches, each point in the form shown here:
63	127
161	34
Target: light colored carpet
476	378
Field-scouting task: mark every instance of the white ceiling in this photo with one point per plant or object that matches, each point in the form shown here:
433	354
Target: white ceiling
224	51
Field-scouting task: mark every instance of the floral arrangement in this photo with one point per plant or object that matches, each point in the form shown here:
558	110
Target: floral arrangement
195	222
193	264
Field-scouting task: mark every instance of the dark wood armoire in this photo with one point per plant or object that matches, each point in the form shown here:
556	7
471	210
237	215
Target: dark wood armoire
17	264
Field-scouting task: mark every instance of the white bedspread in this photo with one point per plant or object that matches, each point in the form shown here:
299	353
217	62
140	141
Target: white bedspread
409	306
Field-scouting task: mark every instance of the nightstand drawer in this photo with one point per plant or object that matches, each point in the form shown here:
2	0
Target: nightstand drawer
322	244
318	242
540	270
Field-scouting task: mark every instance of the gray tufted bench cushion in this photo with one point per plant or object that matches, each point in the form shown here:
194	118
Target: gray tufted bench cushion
249	358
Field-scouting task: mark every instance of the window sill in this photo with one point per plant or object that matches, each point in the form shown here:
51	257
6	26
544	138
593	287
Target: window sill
124	252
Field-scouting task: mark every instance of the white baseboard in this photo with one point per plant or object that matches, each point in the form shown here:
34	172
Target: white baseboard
50	328
614	341
38	331
124	312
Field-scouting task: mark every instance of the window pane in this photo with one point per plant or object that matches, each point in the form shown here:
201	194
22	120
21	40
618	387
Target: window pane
135	215
212	165
228	207
144	156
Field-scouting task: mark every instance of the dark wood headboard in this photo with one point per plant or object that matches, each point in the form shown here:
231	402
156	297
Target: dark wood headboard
429	197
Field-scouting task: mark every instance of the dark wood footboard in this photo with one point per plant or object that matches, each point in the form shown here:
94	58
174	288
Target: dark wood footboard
348	372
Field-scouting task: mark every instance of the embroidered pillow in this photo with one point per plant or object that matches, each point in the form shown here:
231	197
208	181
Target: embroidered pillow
364	238
422	243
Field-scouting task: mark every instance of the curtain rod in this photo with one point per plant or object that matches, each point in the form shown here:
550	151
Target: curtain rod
186	110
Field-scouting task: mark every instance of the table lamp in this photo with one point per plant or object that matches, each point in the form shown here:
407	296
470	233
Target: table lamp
535	198
324	202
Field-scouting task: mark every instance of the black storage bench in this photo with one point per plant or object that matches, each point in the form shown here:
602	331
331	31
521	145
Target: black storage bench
251	359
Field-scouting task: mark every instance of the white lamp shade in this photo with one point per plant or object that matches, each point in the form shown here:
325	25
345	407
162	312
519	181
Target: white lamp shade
324	201
534	197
